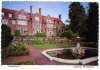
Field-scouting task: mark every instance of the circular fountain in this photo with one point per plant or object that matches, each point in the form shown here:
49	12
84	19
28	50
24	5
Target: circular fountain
73	55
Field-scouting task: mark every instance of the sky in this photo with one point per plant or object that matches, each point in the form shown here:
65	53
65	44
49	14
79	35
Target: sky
51	8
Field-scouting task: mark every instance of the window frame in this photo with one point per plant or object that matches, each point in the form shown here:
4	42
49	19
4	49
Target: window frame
4	20
22	22
13	22
3	14
10	15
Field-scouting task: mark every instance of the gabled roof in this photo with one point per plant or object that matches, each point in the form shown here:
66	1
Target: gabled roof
14	11
9	10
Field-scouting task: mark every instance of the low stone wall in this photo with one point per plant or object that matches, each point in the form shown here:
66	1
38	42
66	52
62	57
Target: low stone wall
58	39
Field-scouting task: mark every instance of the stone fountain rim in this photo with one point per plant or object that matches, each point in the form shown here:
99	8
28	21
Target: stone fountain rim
74	61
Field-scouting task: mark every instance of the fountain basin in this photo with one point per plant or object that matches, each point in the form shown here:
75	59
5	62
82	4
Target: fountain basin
71	61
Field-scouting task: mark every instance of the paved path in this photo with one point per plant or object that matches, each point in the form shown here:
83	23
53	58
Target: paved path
36	56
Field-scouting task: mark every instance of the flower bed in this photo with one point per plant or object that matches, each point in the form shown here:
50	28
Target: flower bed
17	48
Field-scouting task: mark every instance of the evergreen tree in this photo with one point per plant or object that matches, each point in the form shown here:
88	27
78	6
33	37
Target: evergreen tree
77	18
92	22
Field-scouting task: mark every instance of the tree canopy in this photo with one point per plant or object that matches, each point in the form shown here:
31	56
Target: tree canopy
77	18
92	22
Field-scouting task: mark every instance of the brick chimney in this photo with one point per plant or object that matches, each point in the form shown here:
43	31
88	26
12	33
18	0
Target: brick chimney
60	16
40	11
31	11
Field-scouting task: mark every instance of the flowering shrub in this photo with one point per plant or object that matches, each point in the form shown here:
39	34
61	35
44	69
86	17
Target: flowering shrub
17	46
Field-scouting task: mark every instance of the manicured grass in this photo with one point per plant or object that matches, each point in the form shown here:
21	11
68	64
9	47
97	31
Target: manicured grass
29	62
47	45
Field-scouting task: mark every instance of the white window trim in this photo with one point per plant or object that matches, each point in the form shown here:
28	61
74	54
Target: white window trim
10	15
50	25
21	16
22	29
3	14
22	22
4	21
37	25
13	22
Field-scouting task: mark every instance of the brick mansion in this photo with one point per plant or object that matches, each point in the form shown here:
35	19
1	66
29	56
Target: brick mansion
31	23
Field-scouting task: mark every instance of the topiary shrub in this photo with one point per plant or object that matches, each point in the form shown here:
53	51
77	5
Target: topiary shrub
17	33
5	35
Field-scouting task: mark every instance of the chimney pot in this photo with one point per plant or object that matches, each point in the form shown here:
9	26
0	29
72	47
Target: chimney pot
60	16
40	11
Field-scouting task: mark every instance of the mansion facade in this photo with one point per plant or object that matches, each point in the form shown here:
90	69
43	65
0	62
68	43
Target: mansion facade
31	23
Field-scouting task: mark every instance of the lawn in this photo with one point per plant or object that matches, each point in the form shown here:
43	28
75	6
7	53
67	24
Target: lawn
47	45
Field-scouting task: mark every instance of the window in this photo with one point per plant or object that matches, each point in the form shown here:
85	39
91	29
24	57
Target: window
10	15
37	25
22	30
22	22
37	18
49	21
13	22
3	14
50	25
4	21
21	16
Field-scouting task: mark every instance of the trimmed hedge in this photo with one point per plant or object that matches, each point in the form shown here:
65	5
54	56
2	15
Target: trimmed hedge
40	35
19	53
6	35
